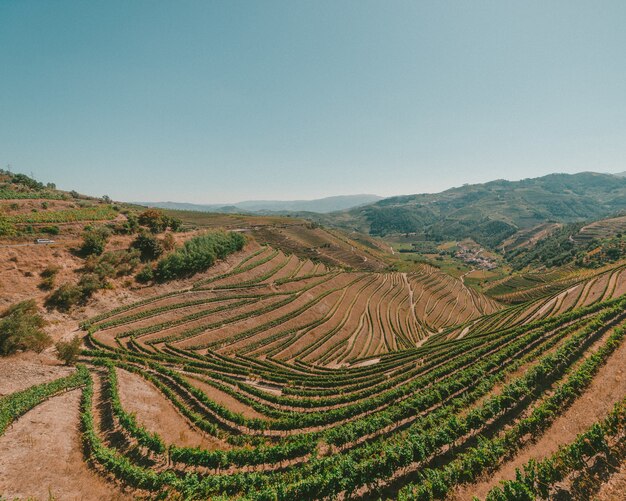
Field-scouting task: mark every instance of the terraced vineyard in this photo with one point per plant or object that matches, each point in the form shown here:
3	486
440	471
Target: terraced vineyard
601	229
278	306
280	378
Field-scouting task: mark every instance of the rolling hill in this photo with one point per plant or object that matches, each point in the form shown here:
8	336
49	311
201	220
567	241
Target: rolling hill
302	364
491	212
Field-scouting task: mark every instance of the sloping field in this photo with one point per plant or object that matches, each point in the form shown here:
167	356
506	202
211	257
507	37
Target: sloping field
279	378
296	236
276	305
601	229
551	299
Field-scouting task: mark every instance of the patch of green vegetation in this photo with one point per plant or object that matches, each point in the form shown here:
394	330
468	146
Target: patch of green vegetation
198	254
563	247
21	329
94	240
69	351
48	277
491	212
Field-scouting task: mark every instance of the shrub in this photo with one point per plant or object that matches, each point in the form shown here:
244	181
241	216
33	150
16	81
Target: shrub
145	275
94	241
65	297
154	219
131	224
68	295
47	277
197	254
24	180
69	351
51	230
149	247
175	224
168	242
90	283
113	264
21	328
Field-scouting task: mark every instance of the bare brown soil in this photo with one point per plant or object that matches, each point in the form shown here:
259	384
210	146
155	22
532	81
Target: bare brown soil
157	414
23	370
614	488
224	399
41	456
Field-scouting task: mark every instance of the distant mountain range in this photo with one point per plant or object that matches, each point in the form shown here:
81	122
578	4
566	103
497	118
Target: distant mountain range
490	212
321	205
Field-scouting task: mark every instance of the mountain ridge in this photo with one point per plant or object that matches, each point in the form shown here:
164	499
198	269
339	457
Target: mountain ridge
489	212
319	205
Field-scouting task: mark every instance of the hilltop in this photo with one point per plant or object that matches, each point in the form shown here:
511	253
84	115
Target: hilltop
491	212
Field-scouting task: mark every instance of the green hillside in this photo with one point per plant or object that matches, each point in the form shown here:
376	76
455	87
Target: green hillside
491	212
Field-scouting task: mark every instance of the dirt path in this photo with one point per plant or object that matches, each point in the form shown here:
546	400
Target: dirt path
41	456
606	389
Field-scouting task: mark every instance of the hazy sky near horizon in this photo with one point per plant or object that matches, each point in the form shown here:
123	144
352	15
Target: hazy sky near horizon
223	101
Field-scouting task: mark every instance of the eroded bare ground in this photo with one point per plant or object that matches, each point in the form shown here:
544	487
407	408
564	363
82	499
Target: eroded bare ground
20	371
607	388
41	456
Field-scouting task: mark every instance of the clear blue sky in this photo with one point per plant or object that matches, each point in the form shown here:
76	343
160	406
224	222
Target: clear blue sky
221	101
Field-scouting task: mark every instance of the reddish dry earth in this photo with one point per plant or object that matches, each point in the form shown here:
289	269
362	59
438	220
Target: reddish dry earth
157	414
614	488
41	456
23	370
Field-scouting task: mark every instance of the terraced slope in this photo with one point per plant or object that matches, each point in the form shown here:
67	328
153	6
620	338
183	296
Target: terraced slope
551	298
276	305
601	229
284	379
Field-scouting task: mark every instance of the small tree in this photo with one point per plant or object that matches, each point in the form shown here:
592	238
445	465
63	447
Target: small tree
69	351
154	219
149	247
94	241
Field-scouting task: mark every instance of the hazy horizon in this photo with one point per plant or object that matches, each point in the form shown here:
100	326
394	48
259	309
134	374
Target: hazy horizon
229	101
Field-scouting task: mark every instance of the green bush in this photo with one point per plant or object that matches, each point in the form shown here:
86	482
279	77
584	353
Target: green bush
94	241
198	254
51	230
24	180
145	275
113	264
21	328
65	297
149	247
69	351
154	219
